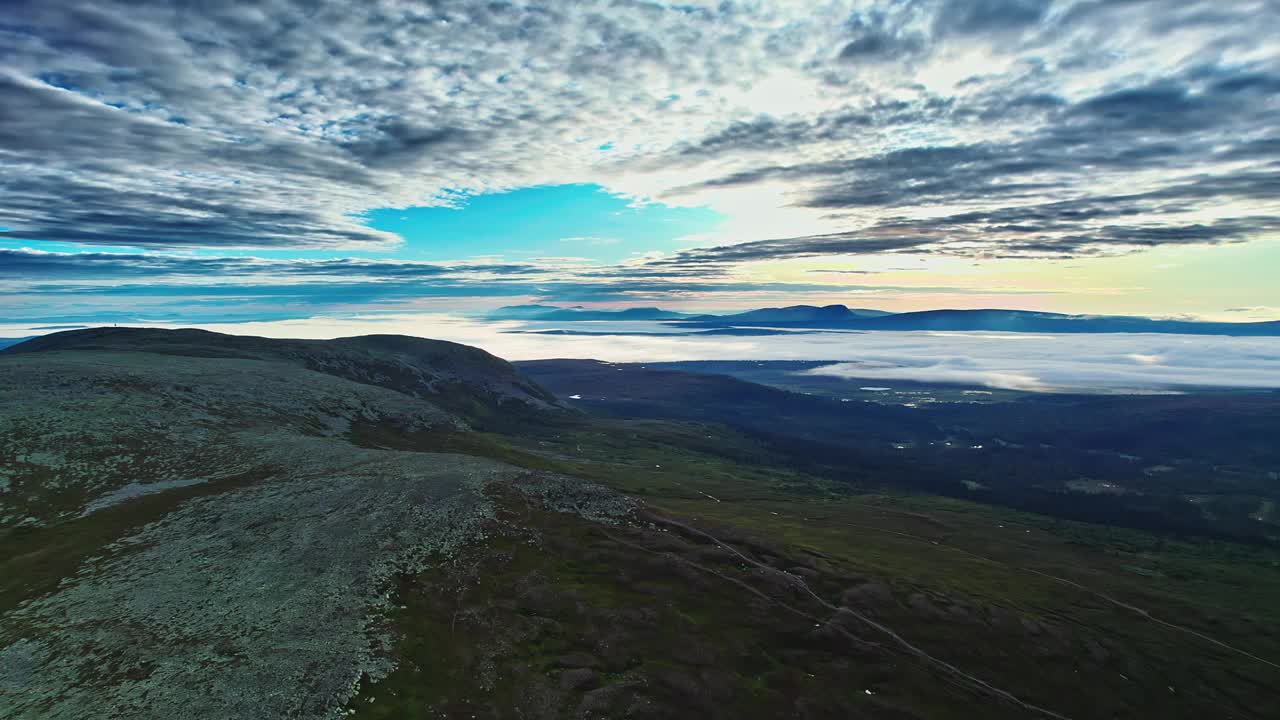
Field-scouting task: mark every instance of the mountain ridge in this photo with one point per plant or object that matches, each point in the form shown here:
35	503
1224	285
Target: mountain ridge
1000	320
842	317
553	312
465	380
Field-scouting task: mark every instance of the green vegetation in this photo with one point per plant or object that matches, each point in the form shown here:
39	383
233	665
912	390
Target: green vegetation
1016	598
555	616
34	559
425	543
1200	463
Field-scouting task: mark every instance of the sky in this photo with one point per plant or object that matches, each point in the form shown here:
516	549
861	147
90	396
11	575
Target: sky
204	163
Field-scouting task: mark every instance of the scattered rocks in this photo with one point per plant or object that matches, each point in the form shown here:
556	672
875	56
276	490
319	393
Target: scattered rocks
81	431
577	679
257	601
868	593
599	702
920	603
565	494
577	660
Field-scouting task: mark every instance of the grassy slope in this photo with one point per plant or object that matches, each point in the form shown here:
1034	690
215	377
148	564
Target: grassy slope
557	615
983	588
33	560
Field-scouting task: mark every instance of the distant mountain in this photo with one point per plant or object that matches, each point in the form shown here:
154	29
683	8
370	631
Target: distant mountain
1023	321
551	312
522	312
804	317
840	317
801	314
792	314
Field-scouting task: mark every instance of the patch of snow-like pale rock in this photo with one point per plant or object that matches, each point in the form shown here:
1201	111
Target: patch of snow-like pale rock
257	602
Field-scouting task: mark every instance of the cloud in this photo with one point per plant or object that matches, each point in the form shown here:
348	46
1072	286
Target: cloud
591	240
41	286
1170	123
973	129
30	264
92	177
1027	222
882	34
844	243
1254	312
1036	363
979	16
1122	364
1172	153
221	126
277	126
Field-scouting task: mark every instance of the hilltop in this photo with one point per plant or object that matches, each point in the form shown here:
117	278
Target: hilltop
464	379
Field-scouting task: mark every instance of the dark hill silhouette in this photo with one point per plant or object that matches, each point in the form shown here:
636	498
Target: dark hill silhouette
991	320
463	379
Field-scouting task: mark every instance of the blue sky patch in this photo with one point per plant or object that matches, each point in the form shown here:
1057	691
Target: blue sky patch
548	220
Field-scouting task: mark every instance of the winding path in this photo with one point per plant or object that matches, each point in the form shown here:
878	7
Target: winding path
800	583
1098	594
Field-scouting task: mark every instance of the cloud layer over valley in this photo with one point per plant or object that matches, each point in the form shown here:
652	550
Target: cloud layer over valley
1115	363
1062	363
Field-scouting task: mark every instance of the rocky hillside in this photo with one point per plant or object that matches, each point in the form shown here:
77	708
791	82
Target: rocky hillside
189	530
463	379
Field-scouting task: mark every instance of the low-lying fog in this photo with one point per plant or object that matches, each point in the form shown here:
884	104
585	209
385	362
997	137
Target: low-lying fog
1045	363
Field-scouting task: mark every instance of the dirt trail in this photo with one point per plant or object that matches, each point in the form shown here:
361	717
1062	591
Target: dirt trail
1096	593
800	583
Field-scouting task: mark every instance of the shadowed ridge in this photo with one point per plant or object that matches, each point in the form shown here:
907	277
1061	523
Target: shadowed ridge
463	379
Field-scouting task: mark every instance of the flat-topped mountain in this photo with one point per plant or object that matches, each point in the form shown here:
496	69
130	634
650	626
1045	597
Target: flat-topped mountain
552	312
796	314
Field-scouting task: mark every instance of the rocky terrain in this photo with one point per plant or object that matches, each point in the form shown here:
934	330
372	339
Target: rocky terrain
458	377
207	526
260	594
